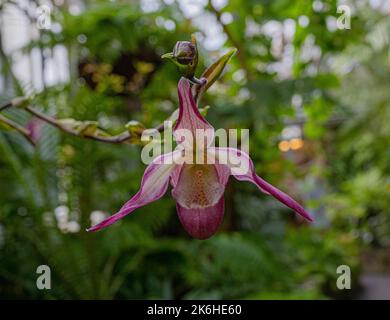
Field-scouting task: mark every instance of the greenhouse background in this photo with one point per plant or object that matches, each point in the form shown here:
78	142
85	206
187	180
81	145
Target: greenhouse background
313	91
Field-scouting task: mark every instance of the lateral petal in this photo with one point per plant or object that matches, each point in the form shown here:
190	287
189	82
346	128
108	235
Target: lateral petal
242	169
154	184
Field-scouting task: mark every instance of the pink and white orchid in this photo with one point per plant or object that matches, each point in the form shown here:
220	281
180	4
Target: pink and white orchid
198	187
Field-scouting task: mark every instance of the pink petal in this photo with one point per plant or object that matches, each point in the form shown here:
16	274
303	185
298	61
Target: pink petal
201	223
247	173
223	173
175	175
153	186
189	115
231	161
282	197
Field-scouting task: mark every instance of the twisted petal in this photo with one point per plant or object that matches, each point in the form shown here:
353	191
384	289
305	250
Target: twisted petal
154	184
242	168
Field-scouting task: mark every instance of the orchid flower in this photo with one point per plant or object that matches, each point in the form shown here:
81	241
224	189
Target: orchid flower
198	188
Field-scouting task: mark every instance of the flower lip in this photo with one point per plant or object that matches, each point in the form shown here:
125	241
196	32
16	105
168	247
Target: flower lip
202	223
198	186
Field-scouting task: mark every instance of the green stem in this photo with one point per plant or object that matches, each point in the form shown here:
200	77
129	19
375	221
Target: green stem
120	138
6	106
18	128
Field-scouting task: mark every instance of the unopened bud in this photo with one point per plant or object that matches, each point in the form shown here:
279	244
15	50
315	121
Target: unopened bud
185	56
88	128
135	128
184	52
69	123
20	102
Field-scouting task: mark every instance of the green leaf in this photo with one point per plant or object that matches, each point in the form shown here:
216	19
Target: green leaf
213	72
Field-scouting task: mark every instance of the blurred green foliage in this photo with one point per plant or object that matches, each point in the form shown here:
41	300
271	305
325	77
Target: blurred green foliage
262	250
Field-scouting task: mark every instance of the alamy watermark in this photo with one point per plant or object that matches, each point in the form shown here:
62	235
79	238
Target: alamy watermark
44	279
344	279
344	21
43	16
197	147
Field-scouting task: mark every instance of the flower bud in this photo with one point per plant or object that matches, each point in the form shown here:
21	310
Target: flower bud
135	128
88	128
185	56
184	52
20	102
69	123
